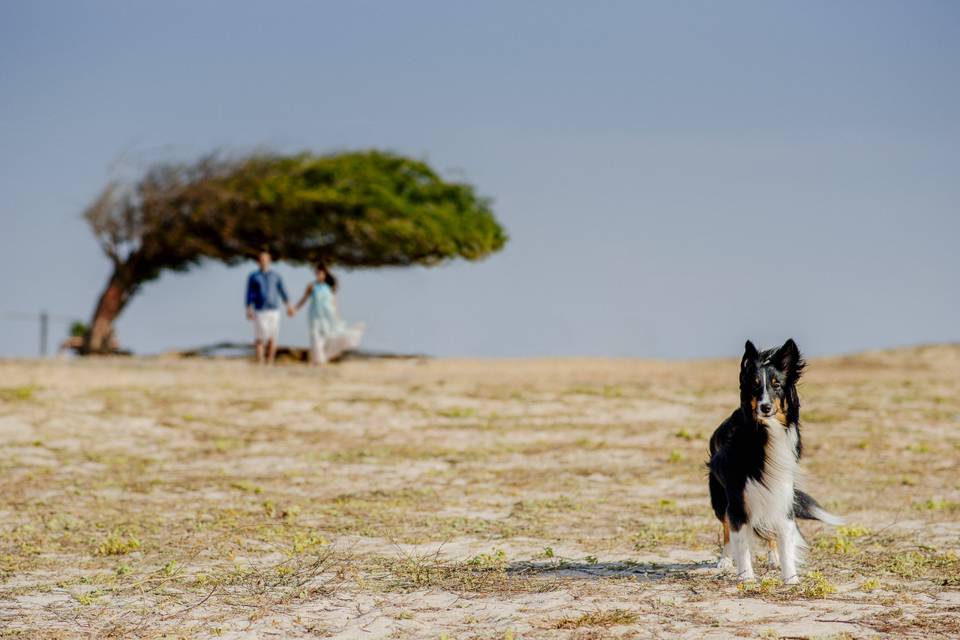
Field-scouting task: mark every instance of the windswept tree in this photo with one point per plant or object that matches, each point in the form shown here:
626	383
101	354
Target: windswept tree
356	209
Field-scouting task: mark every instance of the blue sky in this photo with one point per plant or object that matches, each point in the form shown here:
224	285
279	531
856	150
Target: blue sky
675	176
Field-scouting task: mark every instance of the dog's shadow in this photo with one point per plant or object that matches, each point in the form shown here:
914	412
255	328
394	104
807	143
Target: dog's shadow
643	571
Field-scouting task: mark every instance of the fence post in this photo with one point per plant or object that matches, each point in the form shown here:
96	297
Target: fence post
44	322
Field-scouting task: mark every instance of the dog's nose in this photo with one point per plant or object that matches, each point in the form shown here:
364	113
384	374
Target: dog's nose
766	409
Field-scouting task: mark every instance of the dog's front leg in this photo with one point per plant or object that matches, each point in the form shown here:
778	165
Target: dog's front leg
726	561
787	542
740	549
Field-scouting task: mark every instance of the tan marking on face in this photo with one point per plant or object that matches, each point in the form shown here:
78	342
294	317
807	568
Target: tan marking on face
781	411
753	404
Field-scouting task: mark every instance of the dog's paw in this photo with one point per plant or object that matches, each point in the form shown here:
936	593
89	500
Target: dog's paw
725	563
794	579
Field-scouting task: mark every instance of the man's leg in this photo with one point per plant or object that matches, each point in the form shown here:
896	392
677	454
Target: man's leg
271	350
258	344
270	327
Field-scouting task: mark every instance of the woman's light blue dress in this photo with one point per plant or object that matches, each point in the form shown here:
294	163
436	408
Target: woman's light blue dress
329	334
322	317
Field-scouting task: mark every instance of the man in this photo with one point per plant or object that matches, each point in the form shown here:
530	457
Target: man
264	293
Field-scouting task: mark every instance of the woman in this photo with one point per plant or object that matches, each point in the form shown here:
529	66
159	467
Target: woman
329	335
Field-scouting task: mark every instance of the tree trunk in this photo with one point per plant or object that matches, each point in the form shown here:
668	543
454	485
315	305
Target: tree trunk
100	336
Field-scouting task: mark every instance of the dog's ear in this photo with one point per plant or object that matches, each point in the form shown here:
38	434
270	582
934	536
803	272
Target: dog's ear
750	356
789	360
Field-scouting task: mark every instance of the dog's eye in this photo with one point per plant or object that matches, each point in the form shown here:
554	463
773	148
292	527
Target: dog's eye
756	381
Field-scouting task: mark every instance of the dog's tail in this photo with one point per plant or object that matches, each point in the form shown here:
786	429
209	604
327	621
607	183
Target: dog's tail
806	507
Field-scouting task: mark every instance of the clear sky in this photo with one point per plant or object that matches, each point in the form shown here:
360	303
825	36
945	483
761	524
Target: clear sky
675	176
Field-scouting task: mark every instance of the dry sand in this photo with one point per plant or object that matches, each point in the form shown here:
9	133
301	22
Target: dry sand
459	499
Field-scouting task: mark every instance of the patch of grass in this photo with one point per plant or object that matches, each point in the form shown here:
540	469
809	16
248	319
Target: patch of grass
484	573
764	586
88	597
815	585
18	394
908	564
457	412
821	417
497	560
560	503
117	543
668	505
937	505
869	585
246	486
842	541
648	537
605	391
306	541
609	618
655	535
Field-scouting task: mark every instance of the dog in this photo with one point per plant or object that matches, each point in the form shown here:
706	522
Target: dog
754	463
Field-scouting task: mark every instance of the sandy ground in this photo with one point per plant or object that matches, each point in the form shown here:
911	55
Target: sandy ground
459	499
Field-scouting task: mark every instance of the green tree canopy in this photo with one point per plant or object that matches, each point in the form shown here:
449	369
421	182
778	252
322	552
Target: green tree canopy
355	209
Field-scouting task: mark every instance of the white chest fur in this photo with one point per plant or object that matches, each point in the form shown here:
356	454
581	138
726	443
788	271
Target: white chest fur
770	501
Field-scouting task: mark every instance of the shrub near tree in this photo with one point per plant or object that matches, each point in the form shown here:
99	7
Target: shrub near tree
354	209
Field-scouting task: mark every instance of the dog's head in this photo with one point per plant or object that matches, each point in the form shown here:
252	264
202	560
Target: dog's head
768	383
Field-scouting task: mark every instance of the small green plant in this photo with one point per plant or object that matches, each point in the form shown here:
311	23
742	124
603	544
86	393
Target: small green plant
306	541
88	598
548	552
18	394
765	585
842	540
870	585
910	564
496	560
648	537
457	412
245	486
610	618
815	585
674	457
118	544
934	504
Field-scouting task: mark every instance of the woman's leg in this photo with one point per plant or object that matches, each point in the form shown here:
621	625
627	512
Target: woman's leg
316	346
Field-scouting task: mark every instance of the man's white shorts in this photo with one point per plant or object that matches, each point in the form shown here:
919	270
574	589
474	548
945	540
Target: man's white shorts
266	324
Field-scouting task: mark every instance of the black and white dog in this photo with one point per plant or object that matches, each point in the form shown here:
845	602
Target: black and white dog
754	457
